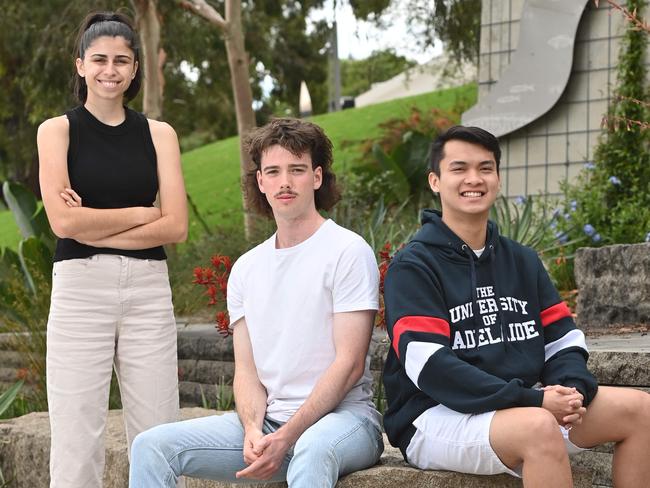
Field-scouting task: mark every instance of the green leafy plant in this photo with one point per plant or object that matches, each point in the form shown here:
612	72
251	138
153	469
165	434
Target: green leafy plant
224	397
25	285
29	215
379	223
609	202
8	397
403	150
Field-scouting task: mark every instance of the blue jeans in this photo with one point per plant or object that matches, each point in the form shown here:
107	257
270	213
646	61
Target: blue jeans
211	447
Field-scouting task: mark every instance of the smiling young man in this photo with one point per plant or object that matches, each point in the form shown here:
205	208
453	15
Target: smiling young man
302	307
487	372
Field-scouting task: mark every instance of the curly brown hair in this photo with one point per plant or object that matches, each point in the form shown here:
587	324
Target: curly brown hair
298	137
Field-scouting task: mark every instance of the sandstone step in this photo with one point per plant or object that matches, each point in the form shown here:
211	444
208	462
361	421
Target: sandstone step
621	359
615	359
12	359
24	459
205	371
8	375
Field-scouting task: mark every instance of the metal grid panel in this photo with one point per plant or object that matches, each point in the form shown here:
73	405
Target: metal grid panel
556	146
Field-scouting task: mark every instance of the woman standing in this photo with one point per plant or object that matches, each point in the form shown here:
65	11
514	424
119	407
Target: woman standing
101	167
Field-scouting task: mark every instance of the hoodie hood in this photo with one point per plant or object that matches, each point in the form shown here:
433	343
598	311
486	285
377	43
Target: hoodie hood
434	232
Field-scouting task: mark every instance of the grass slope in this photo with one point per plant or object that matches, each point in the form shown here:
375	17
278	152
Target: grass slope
212	171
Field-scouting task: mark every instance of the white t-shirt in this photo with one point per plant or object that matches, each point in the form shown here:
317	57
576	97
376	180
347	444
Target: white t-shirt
288	297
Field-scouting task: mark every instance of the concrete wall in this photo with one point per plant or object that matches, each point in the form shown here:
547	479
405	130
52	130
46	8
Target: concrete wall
556	146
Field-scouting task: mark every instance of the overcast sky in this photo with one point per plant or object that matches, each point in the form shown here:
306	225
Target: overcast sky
357	39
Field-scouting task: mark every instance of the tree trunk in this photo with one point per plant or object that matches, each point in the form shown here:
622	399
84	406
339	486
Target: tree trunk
239	78
233	34
148	25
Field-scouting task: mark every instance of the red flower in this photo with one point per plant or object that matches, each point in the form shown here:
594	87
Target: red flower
212	293
218	260
215	280
198	275
223	323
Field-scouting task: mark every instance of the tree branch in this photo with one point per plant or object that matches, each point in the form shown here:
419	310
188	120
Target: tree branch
631	17
615	122
207	11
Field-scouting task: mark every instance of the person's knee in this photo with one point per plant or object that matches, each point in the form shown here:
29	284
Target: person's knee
636	408
148	445
317	450
545	437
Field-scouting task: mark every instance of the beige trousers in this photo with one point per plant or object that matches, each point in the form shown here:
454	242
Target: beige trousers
107	311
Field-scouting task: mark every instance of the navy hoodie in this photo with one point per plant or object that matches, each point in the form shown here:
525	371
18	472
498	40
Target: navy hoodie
473	334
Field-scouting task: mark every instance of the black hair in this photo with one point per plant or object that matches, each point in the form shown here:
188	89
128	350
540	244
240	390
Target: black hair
474	135
111	24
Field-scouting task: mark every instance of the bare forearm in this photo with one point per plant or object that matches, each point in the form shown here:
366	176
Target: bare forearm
85	224
165	230
328	393
250	401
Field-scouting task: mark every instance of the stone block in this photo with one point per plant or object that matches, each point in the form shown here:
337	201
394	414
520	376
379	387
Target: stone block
614	284
599	464
204	342
205	371
620	368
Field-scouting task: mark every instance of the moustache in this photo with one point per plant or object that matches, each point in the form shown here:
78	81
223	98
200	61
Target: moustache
281	193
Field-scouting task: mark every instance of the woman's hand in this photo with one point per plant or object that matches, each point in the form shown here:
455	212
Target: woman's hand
71	198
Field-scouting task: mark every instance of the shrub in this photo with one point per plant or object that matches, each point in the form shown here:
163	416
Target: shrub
610	203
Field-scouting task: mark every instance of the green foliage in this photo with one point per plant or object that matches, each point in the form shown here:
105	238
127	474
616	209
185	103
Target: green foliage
457	23
408	163
378	224
224	398
526	221
25	286
30	217
357	76
8	397
36	64
182	260
403	150
609	202
36	249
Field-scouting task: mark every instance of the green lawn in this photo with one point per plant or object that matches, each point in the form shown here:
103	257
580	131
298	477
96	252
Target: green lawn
212	171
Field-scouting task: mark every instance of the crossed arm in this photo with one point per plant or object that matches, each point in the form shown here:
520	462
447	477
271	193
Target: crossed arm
264	453
121	228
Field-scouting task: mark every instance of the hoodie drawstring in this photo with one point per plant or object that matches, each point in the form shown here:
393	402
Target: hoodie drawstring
497	297
472	274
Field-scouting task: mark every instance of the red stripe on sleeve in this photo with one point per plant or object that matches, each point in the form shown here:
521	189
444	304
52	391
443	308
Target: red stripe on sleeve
555	313
418	324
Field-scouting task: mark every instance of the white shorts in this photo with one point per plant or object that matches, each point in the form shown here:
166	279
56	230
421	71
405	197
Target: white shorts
448	440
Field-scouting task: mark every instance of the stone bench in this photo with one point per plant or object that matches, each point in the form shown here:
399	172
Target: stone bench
615	359
24	455
204	358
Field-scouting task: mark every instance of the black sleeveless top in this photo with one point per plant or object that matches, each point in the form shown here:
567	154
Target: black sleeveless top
110	167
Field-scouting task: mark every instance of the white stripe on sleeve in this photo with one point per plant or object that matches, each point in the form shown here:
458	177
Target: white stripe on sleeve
417	354
573	338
